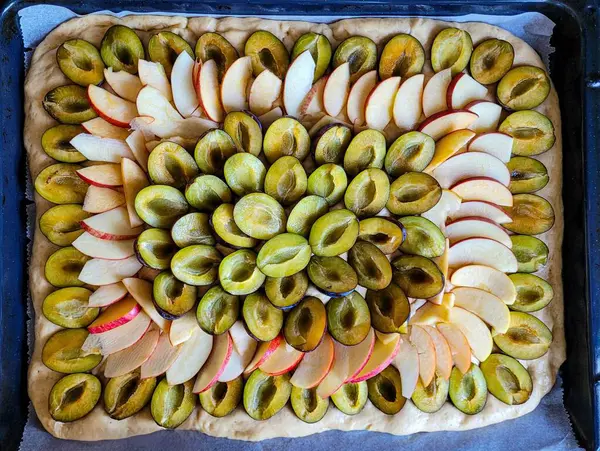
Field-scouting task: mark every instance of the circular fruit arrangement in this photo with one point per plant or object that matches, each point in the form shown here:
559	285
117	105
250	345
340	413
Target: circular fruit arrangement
214	249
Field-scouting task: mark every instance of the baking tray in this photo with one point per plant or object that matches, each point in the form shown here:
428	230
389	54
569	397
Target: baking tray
575	69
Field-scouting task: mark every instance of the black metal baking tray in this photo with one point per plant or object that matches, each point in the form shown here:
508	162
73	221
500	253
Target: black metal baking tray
575	68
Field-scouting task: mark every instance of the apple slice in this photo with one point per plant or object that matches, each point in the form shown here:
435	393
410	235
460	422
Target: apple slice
131	358
124	84
484	189
110	107
496	143
210	91
315	365
244	347
336	90
475	331
215	365
115	315
99	200
137	144
381	357
234	88
188	128
485	305
264	351
104	129
480	209
111	225
482	251
452	144
107	249
407	362
298	83
134	180
357	98
324	121
459	346
434	93
485	278
462	90
464	228
471	165
153	74
102	175
426	350
443	355
430	314
489	115
161	359
448	204
154	103
182	328
119	338
379	107
408	105
283	360
264	92
141	290
98	271
313	101
446	122
107	295
268	118
184	94
101	149
192	356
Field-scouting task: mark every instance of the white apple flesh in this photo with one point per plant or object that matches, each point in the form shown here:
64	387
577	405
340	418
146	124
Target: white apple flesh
448	204
464	228
153	74
115	315
459	346
470	165
315	365
134	180
336	90
485	305
123	83
234	88
264	92
489	115
496	143
464	89
263	352
111	225
182	86
282	360
102	175
408	104
379	107
119	338
486	278
407	363
131	358
192	356
161	359
107	295
357	97
482	251
483	189
443	355
182	328
244	348
312	104
426	350
104	129
141	290
98	271
215	365
475	331
381	357
480	209
110	107
95	247
446	122
209	92
434	93
95	148
298	83
137	144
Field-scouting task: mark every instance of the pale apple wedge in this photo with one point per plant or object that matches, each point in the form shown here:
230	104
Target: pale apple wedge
263	352
426	350
131	358
209	91
407	363
268	118
443	355
102	175
408	104
464	228
116	315
188	128
452	144
298	83
385	338
446	122
95	247
111	225
104	129
495	143
462	90
282	360
161	359
336	90
485	305
110	107
355	107
182	328
475	331
99	200
315	365
313	101
379	106
101	149
448	204
215	365
153	103
182	86
192	356
98	271
434	93
483	189
480	209
482	251
234	88
264	92
325	120
489	116
123	83
430	314
488	279
471	165
153	74
383	354
107	295
141	290
459	346
134	180
137	144
119	338
244	348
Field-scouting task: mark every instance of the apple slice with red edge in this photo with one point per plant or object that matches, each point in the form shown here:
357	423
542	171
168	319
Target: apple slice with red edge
182	86
123	83
482	251
111	225
263	352
448	204
283	360
98	271
268	118
95	247
379	107
383	354
95	148
264	92
107	295
244	348
464	89
134	180
153	103
115	315
141	290
475	227
99	200
485	305
110	107
161	359
434	93
426	350
153	74
459	346
475	331
209	91
408	104
182	328
446	122
234	89
188	128
485	278
487	210
312	103
137	144
355	107
336	90
220	355
407	363
489	115
298	83
443	355
193	354
119	338
133	357
104	129
494	143
102	175
483	189
315	365
471	165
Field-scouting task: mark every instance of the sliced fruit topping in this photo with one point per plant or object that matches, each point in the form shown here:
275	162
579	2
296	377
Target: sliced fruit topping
452	49
448	204
468	390
459	346
217	311
403	56
366	150
244	173
63	267
482	251
184	93
465	228
107	294
73	397
305	324
319	48
234	87
483	189
56	143
332	275
531	252
60	184
266	395
383	354
379	107
172	404
486	278
297	85
474	330
264	92
193	354
359	52
337	89
533	133
61	223
422	237
113	109
267	53
434	93
491	60
209	92
463	90
62	352
126	395
527	175
471	165
531	215
213	46
161	359
131	358
431	398
489	116
484	304
196	265
527	337
507	379
123	83
533	292
315	365
68	104
164	48
69	307
523	88
445	122
351	398
357	98
218	359
95	148
408	103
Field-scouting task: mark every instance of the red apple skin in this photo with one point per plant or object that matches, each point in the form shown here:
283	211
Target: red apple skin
328	369
485	133
104	116
477	178
95	183
103	235
274	344
113	300
357	372
380	368
289	368
476	218
368	98
116	322
450	89
216	377
435	116
478	238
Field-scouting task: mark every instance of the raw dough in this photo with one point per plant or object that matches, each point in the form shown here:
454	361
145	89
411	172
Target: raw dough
44	75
